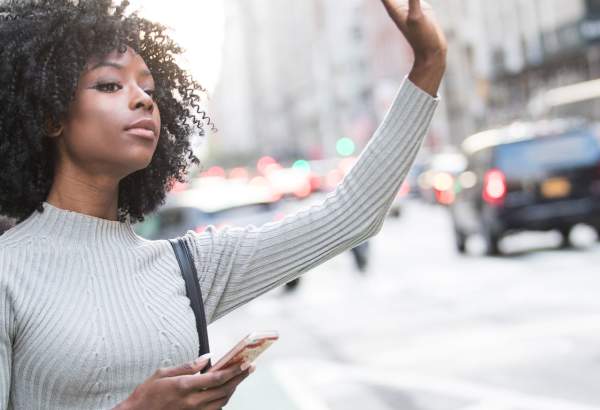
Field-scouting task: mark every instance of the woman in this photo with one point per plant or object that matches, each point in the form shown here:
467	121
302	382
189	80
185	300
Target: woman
94	129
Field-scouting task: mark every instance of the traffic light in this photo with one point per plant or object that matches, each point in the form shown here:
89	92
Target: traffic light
301	165
345	147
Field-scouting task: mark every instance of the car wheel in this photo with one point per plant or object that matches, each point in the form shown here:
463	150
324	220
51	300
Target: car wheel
565	234
492	241
292	286
460	241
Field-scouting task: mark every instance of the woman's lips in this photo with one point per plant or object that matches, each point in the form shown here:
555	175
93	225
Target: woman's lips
143	133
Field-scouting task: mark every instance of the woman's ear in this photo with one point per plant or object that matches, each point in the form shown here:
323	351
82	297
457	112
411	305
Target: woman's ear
52	129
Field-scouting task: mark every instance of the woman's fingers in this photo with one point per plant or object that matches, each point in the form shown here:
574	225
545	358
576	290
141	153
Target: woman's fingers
184	368
209	380
218	395
414	7
401	10
416	20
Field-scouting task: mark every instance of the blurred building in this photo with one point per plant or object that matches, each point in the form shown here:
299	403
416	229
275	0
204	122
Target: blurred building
347	88
298	76
502	54
231	104
266	100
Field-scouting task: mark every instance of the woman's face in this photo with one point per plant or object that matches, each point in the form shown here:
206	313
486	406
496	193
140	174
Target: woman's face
100	135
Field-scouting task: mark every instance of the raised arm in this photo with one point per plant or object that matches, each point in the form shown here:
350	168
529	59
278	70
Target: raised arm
236	265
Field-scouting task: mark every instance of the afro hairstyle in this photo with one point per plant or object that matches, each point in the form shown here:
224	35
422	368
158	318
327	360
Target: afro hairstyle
44	47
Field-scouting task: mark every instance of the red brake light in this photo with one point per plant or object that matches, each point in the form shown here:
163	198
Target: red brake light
494	187
404	189
445	197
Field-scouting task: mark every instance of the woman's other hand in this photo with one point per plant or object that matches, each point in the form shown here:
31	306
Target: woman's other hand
183	387
416	21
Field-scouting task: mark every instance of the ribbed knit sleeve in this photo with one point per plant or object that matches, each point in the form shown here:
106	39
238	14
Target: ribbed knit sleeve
235	265
6	337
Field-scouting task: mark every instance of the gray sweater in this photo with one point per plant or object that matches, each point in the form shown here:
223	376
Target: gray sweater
89	310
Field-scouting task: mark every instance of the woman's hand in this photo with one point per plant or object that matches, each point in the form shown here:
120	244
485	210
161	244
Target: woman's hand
183	387
416	21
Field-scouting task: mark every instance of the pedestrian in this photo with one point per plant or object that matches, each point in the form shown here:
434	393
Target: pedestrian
95	123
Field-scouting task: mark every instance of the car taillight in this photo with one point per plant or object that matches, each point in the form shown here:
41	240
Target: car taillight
494	187
445	197
404	189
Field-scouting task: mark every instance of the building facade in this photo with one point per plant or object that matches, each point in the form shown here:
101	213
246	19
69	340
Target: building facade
504	54
298	76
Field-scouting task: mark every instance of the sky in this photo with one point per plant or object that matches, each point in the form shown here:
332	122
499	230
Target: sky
198	27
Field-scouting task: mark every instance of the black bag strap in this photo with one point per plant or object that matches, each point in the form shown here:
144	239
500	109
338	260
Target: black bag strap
194	293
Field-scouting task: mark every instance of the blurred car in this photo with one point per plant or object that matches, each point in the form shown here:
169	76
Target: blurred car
319	171
326	174
221	202
214	201
438	180
290	182
528	176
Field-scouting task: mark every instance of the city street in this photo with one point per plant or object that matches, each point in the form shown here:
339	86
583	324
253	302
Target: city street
427	329
129	123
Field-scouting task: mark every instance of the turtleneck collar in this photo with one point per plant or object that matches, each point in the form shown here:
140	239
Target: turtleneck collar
64	225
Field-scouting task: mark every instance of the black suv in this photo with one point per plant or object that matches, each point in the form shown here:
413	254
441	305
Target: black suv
528	176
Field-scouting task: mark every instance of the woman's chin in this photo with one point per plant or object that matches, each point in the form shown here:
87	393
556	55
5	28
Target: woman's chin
140	157
138	163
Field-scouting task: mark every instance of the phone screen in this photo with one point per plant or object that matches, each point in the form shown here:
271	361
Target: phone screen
247	350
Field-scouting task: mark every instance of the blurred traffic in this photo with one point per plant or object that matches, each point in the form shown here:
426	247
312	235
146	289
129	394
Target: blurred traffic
244	196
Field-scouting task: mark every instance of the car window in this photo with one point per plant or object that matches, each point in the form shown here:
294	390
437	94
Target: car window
541	156
255	214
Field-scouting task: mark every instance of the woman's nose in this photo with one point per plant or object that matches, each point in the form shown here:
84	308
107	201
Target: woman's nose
142	100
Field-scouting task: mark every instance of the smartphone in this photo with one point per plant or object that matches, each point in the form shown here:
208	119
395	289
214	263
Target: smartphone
248	349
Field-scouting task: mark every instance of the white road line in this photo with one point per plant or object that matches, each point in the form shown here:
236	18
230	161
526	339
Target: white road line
501	398
298	392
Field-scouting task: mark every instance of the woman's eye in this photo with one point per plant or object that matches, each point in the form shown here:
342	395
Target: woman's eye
110	87
151	93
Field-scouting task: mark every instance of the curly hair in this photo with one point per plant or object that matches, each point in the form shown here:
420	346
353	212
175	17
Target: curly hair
44	47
